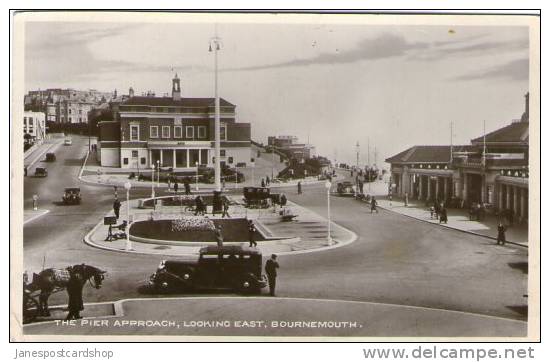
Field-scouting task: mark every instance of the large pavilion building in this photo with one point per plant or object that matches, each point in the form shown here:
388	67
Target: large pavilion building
493	170
175	131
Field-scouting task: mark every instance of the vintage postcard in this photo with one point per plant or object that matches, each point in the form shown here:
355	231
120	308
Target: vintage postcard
304	177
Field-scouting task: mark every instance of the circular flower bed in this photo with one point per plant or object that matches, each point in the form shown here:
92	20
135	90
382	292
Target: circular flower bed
193	229
180	200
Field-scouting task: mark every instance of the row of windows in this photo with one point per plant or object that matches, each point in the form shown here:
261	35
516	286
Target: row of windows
166	132
189	132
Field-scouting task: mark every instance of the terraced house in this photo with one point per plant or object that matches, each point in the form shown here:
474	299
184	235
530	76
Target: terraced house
175	131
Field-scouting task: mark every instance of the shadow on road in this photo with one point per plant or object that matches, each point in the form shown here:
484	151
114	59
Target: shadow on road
523	266
522	310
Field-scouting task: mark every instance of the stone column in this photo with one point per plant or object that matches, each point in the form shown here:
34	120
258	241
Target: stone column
445	188
429	193
174	158
522	203
150	158
516	203
500	195
508	196
161	152
200	161
436	187
187	157
465	189
420	190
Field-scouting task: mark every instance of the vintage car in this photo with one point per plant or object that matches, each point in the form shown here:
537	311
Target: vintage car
41	172
50	157
345	188
231	267
68	142
257	197
71	195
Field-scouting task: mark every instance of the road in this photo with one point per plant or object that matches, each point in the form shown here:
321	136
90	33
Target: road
395	260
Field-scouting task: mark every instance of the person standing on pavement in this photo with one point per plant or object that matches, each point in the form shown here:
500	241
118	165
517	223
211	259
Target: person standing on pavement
116	207
225	211
299	187
219	241
176	186
271	267
251	234
74	290
442	214
267	180
187	186
373	204
501	237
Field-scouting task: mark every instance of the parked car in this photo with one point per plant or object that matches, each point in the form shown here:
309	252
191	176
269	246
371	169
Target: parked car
345	188
41	172
232	267
71	196
50	157
68	142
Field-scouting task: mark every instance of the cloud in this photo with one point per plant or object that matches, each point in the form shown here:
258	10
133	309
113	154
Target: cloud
385	46
516	70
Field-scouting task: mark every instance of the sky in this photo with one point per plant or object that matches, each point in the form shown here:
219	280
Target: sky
388	87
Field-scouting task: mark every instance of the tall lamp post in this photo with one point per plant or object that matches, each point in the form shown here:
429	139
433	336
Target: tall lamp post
328	185
128	186
197	176
158	175
153	184
214	46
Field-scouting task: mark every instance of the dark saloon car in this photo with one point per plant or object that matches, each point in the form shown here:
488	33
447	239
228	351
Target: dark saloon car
236	268
40	172
345	188
50	157
71	196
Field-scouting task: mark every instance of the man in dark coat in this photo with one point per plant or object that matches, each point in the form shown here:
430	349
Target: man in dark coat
116	208
251	234
501	237
373	204
187	187
219	241
271	267
74	289
176	186
299	187
442	214
225	211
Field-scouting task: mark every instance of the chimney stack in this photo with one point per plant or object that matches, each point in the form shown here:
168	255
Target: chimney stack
525	115
176	90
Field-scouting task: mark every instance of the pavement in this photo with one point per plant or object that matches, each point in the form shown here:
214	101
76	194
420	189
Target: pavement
307	233
264	317
396	259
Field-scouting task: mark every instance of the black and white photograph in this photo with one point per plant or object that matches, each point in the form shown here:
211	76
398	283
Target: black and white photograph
274	176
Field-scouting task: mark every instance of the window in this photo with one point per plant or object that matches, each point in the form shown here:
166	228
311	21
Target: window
143	161
71	119
222	153
134	153
154	131
202	132
230	160
165	131
70	111
80	119
189	132
177	132
223	133
125	160
134	133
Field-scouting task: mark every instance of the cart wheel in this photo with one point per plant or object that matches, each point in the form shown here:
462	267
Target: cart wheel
30	309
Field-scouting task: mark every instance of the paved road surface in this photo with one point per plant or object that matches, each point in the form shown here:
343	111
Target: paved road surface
396	259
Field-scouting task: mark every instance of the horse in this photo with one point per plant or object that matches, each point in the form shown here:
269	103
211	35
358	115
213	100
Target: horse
53	279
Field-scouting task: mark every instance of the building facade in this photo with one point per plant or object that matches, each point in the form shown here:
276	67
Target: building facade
174	131
291	147
493	170
34	126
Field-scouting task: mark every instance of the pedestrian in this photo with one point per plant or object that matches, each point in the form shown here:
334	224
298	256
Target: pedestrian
437	209
225	209
198	205
187	186
283	200
263	182
267	180
271	267
176	186
442	214
223	183
252	234
406	199
74	290
501	237
116	207
299	187
169	181
219	241
373	205
25	170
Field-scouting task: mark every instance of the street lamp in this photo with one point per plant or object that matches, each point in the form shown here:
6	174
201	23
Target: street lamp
158	174
128	186
153	184
328	185
197	176
215	45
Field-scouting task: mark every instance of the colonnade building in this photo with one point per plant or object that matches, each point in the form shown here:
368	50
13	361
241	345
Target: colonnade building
493	170
174	131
